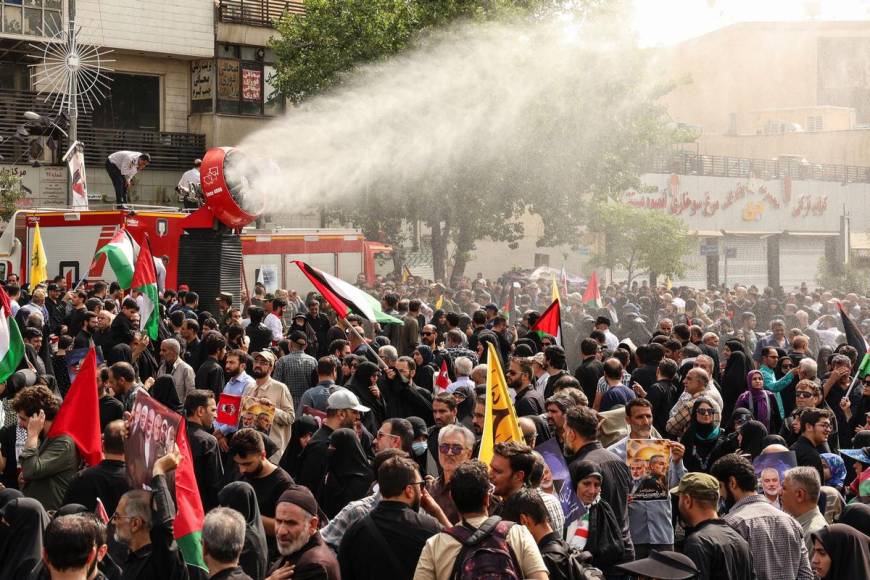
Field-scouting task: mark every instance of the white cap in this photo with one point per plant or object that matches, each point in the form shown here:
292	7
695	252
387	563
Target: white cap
344	399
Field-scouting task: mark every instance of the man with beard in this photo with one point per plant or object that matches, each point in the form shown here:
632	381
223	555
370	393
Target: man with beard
528	400
342	412
775	539
85	336
143	523
395	520
444	410
273	393
304	554
269	481
200	409
238	380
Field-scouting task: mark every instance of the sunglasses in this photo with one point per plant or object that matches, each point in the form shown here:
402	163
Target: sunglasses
705	412
804	395
450	449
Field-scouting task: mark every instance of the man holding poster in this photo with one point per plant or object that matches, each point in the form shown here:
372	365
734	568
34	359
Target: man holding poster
649	512
238	380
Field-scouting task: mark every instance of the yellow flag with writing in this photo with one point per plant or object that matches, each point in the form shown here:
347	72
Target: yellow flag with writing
500	423
554	292
38	261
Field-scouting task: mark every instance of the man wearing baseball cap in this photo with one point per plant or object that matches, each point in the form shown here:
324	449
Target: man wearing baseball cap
716	548
273	392
342	412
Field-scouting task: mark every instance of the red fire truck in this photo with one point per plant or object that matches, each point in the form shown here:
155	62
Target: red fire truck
71	238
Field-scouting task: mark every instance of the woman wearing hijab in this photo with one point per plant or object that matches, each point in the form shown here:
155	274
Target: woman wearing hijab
841	552
303	428
348	474
163	391
737	366
750	439
759	401
703	440
856	515
423	357
597	531
26	520
835	471
240	496
784	364
364	385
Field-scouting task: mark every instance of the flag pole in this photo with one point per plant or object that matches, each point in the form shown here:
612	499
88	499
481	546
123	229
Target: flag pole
363	340
852	386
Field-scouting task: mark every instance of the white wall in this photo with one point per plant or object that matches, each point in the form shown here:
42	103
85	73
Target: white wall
171	27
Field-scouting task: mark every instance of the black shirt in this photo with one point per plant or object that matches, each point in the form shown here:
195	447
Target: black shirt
719	552
107	480
268	490
206	464
210	376
588	372
807	454
260	335
529	402
403	534
111	409
312	461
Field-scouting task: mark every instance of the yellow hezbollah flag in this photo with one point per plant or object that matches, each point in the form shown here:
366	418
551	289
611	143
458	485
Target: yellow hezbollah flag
554	293
439	303
500	423
38	261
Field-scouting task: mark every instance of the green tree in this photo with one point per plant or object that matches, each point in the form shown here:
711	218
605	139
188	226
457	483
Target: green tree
639	241
10	193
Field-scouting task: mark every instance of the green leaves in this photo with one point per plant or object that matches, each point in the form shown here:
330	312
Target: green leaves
10	193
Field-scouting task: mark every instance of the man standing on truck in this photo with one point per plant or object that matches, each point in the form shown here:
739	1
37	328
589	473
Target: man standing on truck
121	167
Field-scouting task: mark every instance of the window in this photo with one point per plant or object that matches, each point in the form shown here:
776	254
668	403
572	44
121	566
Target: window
240	81
133	104
31	17
14	76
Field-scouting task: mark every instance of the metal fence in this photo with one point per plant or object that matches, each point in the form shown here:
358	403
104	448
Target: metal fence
169	151
257	12
688	163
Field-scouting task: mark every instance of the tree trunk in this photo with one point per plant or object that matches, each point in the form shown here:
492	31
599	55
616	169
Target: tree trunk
439	250
464	246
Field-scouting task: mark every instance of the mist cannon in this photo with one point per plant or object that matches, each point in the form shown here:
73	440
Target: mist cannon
227	177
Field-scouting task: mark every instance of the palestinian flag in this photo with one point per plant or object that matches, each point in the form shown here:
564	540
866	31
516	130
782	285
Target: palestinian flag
121	252
442	379
592	297
188	519
550	323
78	417
145	282
345	298
11	343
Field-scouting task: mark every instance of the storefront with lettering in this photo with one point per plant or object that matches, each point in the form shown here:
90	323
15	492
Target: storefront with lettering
762	232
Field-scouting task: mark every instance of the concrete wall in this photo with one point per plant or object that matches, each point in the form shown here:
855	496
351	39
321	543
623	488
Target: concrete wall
225	130
170	27
174	86
751	66
835	147
832	119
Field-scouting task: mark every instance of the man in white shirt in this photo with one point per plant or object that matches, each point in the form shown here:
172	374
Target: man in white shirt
121	167
273	320
190	177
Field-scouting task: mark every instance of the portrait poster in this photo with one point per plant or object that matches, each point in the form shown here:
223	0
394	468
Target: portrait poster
552	454
770	470
648	461
229	409
74	360
151	435
256	414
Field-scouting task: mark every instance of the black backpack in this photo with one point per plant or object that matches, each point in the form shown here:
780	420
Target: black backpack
485	553
573	563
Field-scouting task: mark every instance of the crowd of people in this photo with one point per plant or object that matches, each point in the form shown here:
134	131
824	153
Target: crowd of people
362	461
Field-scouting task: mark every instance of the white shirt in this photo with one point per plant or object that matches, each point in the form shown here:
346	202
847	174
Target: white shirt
190	176
126	162
273	323
160	270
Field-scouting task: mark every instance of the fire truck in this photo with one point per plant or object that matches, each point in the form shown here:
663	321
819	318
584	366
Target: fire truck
197	246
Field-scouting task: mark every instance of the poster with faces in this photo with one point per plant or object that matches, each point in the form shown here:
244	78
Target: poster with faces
151	435
648	461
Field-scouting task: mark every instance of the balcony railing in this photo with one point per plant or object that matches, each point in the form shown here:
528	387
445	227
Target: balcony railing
169	151
257	12
688	163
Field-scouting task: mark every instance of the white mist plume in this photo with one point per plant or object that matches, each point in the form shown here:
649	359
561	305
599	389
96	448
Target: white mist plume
473	100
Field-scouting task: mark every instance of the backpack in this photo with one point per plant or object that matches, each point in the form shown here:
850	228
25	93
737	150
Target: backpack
485	553
574	563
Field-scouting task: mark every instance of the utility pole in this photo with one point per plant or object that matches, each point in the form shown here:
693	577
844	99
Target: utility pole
73	89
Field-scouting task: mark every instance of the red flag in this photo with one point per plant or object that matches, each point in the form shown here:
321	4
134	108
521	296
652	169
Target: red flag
79	415
442	381
550	322
228	409
101	512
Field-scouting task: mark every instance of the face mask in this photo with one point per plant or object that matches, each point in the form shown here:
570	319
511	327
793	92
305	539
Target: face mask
419	447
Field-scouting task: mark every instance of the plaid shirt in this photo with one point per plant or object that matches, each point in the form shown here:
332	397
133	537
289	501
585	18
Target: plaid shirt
681	416
775	539
296	370
334	531
554	509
